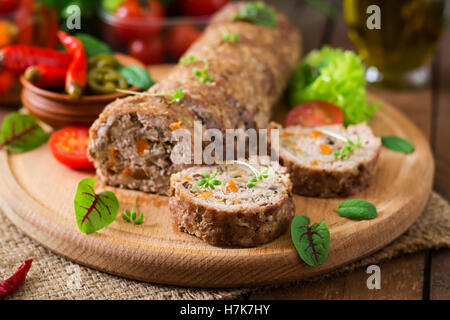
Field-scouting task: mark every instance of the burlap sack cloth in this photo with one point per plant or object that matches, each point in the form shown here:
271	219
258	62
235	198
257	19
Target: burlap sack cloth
53	277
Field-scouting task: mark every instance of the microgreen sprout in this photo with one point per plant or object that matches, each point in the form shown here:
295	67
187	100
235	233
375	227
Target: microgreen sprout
202	74
347	149
188	60
176	96
209	181
258	175
230	37
133	216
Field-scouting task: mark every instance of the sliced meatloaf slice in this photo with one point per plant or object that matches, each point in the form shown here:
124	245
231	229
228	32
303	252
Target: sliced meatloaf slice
320	162
231	212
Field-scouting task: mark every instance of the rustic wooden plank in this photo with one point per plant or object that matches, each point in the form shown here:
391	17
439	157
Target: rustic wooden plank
440	275
441	119
354	286
440	260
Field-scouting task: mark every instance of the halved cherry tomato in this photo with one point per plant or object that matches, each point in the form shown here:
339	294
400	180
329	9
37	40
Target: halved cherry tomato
180	38
314	113
149	51
69	146
201	7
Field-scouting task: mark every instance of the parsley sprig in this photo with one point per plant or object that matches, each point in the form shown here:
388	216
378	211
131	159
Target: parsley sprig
176	96
259	175
209	181
347	149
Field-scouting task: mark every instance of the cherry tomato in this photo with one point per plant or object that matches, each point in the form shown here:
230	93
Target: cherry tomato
149	51
180	38
201	7
155	9
314	113
129	9
8	6
133	22
69	146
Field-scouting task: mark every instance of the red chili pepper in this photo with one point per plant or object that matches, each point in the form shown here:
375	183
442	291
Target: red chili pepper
12	284
19	57
47	77
76	73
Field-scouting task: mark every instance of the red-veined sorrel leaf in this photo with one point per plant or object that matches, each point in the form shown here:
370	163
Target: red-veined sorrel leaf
21	133
94	211
312	243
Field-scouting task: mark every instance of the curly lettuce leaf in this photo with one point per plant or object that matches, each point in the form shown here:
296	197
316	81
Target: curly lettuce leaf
336	76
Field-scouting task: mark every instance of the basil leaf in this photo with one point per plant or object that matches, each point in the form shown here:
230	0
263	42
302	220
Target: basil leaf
136	76
94	211
257	13
312	243
397	144
93	46
21	133
357	209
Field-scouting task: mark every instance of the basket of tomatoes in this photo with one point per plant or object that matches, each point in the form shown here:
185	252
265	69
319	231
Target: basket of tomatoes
155	31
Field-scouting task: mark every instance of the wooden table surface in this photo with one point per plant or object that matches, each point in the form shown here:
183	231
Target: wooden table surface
424	275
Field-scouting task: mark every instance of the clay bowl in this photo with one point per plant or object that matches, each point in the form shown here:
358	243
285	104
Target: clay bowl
59	110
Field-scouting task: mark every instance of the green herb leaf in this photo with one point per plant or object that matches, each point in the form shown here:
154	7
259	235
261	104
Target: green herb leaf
187	60
176	96
136	76
357	209
21	133
94	211
257	13
231	38
93	46
140	219
312	243
124	217
209	182
397	144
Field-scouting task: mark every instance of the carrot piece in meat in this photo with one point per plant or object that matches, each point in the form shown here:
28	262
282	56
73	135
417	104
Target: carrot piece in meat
325	148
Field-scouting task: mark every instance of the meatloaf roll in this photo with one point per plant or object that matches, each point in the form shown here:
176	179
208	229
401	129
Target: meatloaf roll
224	84
233	204
329	161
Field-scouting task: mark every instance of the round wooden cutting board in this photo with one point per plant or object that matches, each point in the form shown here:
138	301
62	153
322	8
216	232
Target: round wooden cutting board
37	192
